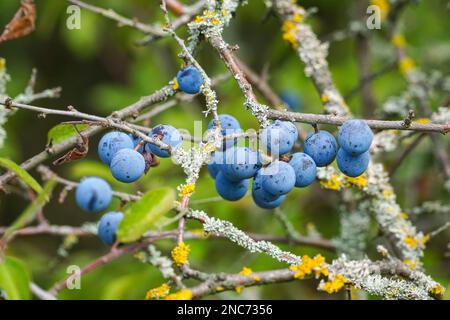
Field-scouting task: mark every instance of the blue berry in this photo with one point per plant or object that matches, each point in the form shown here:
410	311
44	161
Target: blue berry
278	178
279	137
190	80
355	136
258	190
168	135
305	169
127	165
262	198
241	163
216	163
107	228
292	100
93	194
230	125
229	190
321	147
260	202
352	166
136	140
112	142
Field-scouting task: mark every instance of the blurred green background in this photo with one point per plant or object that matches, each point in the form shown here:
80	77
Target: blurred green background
100	69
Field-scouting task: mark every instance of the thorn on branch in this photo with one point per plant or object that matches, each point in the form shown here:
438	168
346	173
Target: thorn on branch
8	103
234	47
407	122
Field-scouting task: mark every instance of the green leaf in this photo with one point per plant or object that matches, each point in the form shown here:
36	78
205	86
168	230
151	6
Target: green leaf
89	168
21	173
30	212
120	288
142	215
14	279
64	131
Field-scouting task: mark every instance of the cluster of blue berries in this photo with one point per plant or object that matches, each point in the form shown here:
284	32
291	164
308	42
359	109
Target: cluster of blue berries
128	157
94	194
233	167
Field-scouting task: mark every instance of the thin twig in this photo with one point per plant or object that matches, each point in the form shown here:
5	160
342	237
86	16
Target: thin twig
129	111
405	153
374	124
123	21
41	293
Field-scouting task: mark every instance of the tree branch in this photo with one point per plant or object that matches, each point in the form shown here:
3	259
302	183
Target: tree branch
374	124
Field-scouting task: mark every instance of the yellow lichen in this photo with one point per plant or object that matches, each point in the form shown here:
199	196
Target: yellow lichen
334	183
183	294
324	98
437	290
208	147
297	17
2	64
290	30
308	265
423	120
334	285
384	7
360	181
187	189
209	13
238	290
215	21
180	253
321	272
198	19
219	289
411	263
426	238
398	40
246	271
387	193
70	240
411	241
175	85
405	65
158	292
403	216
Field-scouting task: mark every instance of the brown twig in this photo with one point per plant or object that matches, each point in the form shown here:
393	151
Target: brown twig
374	124
112	255
129	111
121	20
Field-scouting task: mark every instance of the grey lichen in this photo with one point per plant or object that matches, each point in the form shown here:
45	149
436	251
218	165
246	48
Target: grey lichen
227	229
28	95
355	225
